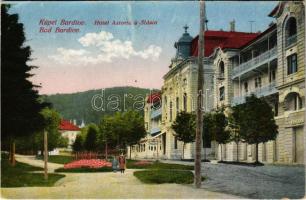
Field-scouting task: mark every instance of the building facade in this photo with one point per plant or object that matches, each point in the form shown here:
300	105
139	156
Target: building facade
150	147
69	130
271	66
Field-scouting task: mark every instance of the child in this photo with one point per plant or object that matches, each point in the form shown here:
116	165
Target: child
115	164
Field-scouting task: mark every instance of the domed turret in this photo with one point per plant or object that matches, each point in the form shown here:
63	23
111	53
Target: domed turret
183	45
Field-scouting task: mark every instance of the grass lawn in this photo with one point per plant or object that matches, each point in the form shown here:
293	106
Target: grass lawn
21	176
157	165
165	176
85	170
60	159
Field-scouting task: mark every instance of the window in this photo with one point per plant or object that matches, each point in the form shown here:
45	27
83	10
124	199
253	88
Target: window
293	102
272	76
185	81
290	32
221	69
292	64
222	95
170	112
185	102
258	82
175	142
246	87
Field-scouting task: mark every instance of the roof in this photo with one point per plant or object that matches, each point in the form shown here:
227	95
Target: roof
268	30
66	125
154	97
276	9
222	39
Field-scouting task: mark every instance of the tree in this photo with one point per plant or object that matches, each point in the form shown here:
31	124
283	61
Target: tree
19	97
122	129
52	121
185	127
234	120
257	122
135	129
218	129
90	143
78	144
207	128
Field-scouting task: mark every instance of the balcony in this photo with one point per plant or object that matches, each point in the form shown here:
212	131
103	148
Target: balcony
156	113
291	40
259	92
254	63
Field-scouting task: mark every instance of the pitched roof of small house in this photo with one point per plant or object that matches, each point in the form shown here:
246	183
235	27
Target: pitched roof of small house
66	125
154	97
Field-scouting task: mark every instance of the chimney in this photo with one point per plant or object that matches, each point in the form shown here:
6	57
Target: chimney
232	26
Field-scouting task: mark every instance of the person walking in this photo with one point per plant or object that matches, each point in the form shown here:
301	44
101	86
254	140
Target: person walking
115	164
122	163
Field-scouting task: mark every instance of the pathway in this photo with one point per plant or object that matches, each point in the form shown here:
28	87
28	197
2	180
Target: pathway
106	185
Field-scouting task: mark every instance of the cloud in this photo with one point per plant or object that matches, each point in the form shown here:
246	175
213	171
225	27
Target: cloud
103	47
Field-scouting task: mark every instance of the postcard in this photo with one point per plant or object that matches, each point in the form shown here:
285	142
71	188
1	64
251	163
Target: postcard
153	100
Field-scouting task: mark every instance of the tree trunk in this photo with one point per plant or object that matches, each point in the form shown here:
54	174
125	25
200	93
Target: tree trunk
221	153
13	161
131	152
183	150
106	151
204	152
256	153
45	155
237	151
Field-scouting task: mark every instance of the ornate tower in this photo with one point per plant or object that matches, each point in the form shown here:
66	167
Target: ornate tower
183	45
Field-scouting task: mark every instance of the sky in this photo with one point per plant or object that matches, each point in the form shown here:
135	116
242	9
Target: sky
104	56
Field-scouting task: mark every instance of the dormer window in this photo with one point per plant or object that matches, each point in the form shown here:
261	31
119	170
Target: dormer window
290	31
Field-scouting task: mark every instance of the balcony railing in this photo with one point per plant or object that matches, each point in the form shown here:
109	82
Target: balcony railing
291	40
156	113
259	92
254	63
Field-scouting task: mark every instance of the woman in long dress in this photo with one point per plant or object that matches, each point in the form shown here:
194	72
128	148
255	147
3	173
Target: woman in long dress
122	163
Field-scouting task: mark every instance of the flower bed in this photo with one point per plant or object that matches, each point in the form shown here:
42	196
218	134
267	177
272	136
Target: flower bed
143	162
92	163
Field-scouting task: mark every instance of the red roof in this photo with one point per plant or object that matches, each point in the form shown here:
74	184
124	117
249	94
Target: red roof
222	39
154	97
66	125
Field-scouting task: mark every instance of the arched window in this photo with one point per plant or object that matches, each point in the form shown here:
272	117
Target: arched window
293	101
221	69
290	31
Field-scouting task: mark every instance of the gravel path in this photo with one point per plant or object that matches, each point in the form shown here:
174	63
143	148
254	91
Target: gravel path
108	185
269	181
31	160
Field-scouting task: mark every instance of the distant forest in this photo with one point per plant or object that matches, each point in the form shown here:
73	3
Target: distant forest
78	105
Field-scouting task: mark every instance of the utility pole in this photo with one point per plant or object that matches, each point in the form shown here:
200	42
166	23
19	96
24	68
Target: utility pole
199	128
46	154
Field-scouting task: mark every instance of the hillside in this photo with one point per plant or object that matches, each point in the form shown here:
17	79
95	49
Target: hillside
79	105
